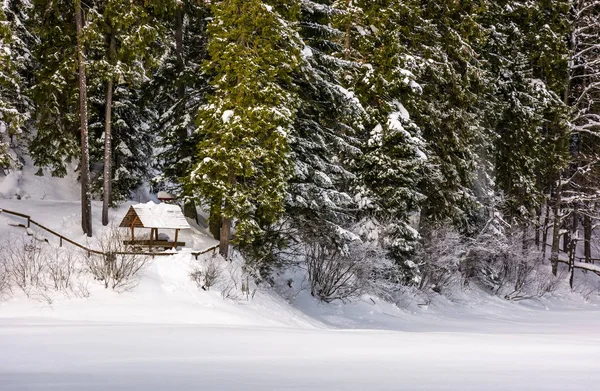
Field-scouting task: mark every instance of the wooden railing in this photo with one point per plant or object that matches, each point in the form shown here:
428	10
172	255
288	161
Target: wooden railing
91	251
581	259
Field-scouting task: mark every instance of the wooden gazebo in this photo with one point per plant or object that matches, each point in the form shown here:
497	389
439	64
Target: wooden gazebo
155	217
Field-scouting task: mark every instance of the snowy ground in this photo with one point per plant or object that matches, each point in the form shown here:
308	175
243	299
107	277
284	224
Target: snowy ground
166	334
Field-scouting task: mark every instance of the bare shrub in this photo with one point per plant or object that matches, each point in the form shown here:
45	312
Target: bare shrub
80	289
333	274
439	261
4	275
509	271
36	268
61	267
117	268
208	274
236	283
25	263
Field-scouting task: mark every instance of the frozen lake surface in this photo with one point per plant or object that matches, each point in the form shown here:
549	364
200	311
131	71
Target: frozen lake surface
54	355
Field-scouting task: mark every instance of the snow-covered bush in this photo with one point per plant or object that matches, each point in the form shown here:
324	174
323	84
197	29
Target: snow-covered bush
495	261
117	269
508	270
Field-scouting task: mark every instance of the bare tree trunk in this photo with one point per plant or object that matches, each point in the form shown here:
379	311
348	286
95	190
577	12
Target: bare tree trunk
573	246
224	239
587	237
538	226
545	228
226	223
108	139
574	230
86	202
572	268
566	235
525	244
556	228
214	221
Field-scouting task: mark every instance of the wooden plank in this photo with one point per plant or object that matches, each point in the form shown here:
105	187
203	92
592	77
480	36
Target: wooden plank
14	213
198	253
154	243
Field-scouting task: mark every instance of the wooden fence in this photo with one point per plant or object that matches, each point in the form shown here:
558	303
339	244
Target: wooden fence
90	251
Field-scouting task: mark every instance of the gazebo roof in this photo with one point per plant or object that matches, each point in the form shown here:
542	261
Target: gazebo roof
151	215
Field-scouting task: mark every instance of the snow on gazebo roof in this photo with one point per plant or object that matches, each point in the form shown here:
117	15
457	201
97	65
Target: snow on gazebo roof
151	215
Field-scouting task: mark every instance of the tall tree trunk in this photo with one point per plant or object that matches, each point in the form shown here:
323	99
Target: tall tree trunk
214	221
556	228
86	202
224	239
573	246
525	239
567	235
538	226
545	228
226	222
587	237
574	229
107	196
189	206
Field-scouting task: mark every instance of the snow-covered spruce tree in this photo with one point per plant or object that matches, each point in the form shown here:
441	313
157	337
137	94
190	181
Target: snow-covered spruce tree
546	26
243	129
10	117
392	164
175	93
524	107
121	39
55	93
16	80
450	111
320	202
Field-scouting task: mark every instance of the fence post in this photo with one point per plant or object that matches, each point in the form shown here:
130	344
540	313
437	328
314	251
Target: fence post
28	222
60	245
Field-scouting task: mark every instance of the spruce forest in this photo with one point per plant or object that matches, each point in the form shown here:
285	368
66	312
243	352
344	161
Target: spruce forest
385	145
